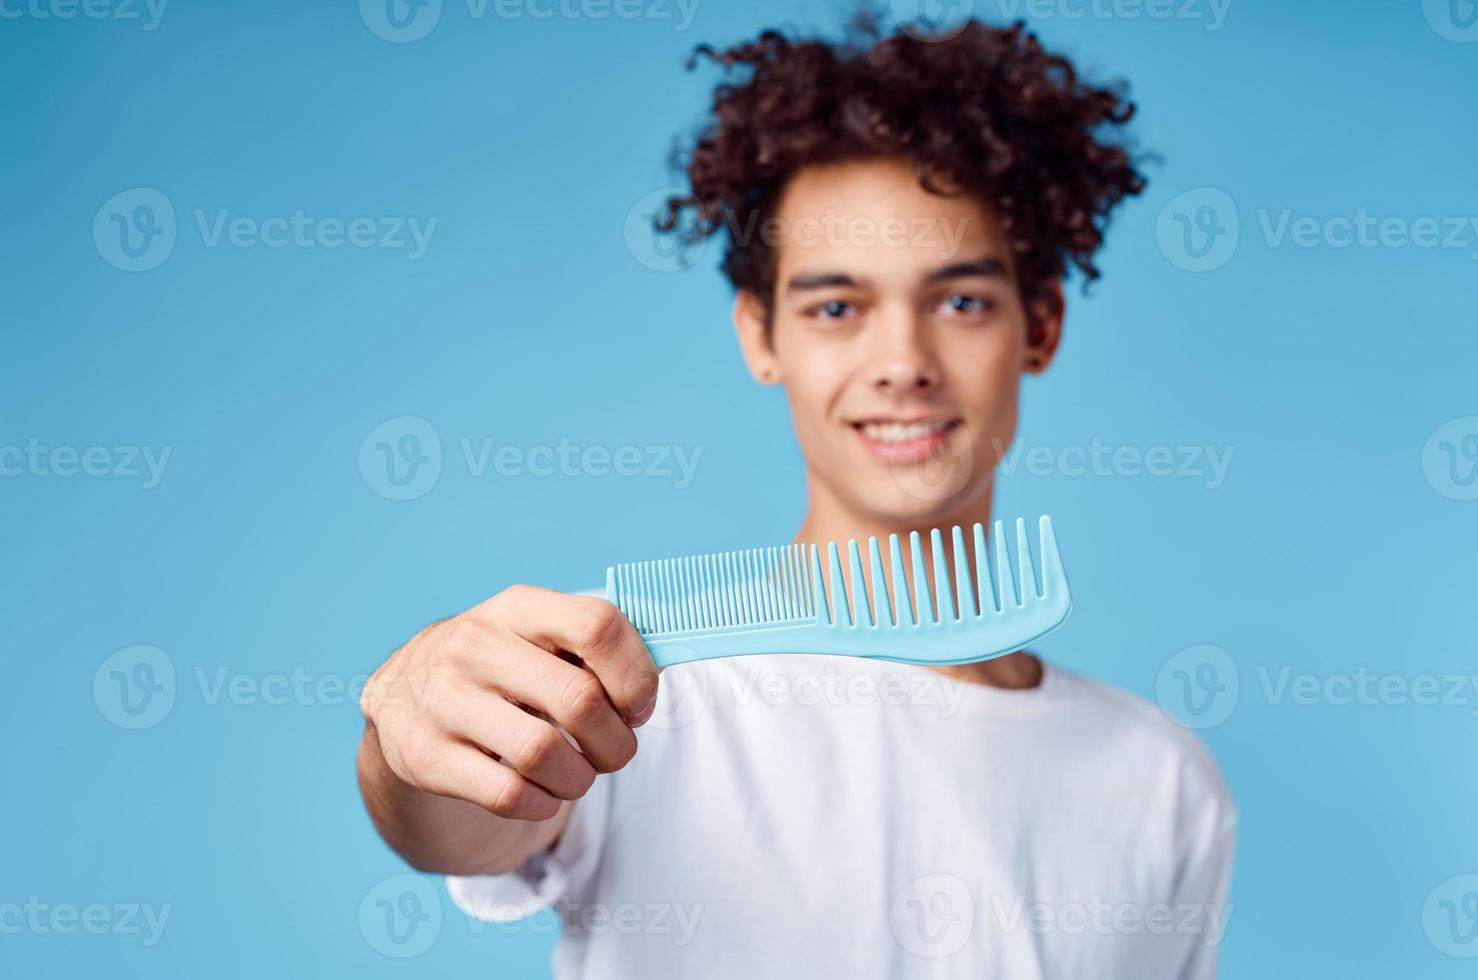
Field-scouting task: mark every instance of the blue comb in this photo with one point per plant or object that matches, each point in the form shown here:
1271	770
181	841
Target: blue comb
774	600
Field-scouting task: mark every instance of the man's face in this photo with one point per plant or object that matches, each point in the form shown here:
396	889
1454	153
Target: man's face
900	336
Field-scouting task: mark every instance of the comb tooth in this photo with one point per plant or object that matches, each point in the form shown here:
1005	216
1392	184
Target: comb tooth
672	603
921	579
818	590
841	613
632	587
900	582
941	578
736	586
762	583
735	598
674	596
802	583
736	592
721	588
664	601
756	585
711	593
1005	588
798	583
783	588
639	596
881	601
982	572
792	594
1024	565
653	609
736	562
861	610
700	594
648	597
813	577
705	574
761	599
1051	558
691	594
745	590
964	590
775	589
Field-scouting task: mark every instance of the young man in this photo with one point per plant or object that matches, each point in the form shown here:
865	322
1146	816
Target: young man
900	214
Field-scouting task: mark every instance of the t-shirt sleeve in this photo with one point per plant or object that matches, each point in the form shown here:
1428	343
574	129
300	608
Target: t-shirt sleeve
547	877
1206	871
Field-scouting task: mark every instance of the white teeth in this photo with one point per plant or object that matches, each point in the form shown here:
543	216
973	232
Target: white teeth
899	432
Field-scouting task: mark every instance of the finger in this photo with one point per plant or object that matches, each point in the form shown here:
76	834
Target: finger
570	695
535	748
594	630
464	772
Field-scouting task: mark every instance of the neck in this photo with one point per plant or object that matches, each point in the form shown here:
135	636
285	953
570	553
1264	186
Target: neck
830	519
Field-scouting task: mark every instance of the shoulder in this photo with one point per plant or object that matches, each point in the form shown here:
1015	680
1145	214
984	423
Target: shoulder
1130	730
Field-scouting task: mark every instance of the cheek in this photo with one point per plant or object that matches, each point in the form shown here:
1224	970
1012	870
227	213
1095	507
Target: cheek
816	378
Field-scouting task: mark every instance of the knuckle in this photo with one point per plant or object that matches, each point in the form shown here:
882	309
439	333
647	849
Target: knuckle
600	626
511	798
513	595
464	635
583	701
620	752
585	781
427	763
540	749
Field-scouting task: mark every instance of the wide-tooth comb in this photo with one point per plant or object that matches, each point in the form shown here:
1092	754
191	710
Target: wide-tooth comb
775	600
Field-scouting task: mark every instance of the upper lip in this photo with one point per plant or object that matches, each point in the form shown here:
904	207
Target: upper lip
894	420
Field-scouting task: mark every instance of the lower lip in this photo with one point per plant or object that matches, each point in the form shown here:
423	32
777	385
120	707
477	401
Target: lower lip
909	450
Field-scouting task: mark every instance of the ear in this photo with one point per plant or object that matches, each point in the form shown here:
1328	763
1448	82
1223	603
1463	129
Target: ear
1044	328
754	338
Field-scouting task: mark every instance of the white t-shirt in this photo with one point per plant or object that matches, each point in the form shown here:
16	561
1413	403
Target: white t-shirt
807	816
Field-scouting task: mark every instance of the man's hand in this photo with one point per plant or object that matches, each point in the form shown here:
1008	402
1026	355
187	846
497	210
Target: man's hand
476	708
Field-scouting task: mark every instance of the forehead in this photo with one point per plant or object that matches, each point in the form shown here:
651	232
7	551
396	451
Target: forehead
873	217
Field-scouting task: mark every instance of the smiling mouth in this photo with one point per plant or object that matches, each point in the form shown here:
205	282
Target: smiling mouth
895	441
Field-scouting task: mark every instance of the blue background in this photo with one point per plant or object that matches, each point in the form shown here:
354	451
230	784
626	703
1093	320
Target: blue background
264	550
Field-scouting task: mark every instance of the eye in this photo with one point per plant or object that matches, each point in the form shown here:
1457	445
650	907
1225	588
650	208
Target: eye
836	309
965	304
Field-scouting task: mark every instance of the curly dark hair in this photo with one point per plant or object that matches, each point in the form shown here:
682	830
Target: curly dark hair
983	110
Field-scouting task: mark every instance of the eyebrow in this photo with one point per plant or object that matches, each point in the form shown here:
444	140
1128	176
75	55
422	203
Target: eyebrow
988	267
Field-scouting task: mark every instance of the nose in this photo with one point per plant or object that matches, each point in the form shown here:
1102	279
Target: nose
903	361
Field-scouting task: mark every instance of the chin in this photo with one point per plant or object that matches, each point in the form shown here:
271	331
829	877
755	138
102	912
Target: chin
918	503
